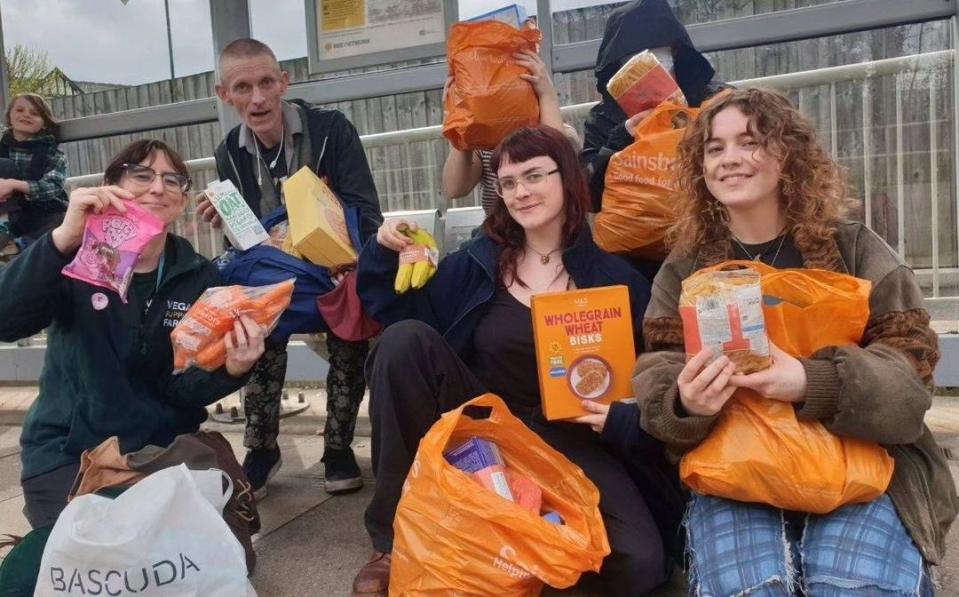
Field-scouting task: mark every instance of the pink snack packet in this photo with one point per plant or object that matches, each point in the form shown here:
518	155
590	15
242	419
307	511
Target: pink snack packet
112	243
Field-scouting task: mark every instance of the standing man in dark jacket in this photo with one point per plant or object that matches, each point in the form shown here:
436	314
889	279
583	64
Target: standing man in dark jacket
277	138
634	27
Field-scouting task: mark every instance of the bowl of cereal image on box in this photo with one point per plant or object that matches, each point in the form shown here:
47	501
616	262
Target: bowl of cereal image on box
590	377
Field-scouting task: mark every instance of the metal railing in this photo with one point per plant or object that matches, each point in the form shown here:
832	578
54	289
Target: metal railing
940	275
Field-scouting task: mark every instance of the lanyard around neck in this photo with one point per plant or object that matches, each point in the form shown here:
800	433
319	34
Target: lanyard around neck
160	267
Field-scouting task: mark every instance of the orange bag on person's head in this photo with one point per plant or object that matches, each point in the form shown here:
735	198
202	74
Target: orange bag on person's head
759	450
198	339
453	537
487	99
638	197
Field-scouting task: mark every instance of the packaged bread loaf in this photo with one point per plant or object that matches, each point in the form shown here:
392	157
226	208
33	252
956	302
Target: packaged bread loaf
723	310
642	83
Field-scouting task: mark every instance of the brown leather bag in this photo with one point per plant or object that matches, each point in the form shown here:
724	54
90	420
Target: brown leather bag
106	467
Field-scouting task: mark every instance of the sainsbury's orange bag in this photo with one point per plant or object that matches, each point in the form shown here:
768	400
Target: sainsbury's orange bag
487	99
198	340
759	450
638	204
451	537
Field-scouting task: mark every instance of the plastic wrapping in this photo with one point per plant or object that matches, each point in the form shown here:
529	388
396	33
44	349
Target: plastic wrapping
759	450
488	100
199	338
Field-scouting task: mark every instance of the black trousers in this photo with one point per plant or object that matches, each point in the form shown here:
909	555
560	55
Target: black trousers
45	495
414	376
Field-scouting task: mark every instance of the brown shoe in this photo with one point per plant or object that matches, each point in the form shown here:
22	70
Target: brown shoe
373	579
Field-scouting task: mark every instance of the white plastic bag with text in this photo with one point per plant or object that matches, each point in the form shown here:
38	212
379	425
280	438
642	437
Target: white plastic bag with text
164	536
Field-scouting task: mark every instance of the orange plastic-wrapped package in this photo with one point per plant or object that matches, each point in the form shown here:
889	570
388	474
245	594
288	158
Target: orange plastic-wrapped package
642	83
638	197
759	450
487	99
198	340
723	310
450	538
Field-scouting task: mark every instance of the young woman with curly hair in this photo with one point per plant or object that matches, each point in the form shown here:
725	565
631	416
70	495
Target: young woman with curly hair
755	184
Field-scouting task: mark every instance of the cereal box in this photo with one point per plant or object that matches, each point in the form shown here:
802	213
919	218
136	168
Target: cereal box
240	224
723	310
481	458
317	222
584	348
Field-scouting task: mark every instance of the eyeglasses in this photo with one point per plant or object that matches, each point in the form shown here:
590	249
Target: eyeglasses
145	175
507	186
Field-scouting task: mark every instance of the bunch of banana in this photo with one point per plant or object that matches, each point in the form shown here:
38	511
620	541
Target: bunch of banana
418	262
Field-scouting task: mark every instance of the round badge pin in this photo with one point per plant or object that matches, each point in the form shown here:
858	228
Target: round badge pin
99	301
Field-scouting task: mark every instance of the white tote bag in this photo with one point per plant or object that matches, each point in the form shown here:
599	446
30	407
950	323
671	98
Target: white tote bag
164	536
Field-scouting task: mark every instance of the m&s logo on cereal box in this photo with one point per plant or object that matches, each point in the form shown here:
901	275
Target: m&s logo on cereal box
584	348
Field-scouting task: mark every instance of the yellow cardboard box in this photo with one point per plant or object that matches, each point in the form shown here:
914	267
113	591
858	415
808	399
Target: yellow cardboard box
317	224
584	348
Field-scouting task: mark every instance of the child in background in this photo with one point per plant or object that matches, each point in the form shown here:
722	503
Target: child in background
32	174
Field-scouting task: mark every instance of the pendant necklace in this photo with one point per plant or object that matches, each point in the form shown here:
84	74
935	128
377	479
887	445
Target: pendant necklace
758	256
543	257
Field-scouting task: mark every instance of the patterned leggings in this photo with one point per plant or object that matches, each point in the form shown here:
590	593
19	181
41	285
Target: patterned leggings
345	387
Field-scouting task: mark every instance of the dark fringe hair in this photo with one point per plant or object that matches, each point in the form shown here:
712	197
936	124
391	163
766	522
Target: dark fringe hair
520	146
136	152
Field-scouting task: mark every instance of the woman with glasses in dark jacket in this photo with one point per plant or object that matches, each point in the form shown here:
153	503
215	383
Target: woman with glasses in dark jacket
108	368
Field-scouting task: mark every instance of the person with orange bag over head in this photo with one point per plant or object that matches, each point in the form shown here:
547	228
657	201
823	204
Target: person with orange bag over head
756	185
466	167
630	29
469	331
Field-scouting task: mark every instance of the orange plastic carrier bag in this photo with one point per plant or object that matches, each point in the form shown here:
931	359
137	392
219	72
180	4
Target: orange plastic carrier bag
759	450
452	537
638	203
488	100
198	340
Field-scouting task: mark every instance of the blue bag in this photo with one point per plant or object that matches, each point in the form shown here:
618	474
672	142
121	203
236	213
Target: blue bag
264	264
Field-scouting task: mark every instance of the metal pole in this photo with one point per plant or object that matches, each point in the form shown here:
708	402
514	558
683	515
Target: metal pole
544	21
4	75
169	43
934	179
230	20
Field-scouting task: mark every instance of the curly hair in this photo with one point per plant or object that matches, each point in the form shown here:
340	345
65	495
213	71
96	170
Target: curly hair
812	186
520	146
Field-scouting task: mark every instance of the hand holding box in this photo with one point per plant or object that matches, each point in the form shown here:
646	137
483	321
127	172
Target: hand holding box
240	224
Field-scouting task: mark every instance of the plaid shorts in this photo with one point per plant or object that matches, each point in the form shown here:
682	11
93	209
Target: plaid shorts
751	549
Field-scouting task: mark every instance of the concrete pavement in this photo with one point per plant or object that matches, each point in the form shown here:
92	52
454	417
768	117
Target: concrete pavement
312	543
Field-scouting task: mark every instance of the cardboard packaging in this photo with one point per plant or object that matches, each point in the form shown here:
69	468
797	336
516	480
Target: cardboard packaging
317	223
584	348
514	15
481	458
240	224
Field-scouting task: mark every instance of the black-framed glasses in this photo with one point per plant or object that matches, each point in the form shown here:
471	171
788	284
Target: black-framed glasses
145	175
507	186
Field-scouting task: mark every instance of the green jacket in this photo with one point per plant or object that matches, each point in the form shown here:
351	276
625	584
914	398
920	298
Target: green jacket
877	391
108	367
